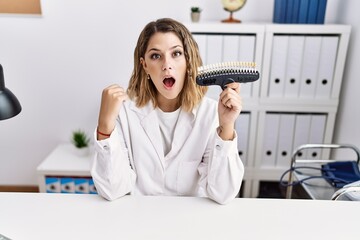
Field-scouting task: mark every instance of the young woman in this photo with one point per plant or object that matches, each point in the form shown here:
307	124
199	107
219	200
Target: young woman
162	136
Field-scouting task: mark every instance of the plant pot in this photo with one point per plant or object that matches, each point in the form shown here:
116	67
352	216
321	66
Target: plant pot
82	152
195	16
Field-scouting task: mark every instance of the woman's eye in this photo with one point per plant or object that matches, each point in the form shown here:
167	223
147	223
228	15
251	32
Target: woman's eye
155	56
177	53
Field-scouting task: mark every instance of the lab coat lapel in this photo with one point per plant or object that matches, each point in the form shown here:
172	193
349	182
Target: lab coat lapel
150	124
182	131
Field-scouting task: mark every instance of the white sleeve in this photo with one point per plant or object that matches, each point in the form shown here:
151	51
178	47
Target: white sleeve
222	170
111	170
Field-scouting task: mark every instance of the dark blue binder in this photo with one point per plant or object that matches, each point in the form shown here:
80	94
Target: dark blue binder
303	11
279	11
296	8
289	11
313	9
321	12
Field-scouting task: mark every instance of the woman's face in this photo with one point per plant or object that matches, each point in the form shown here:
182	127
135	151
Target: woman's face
165	62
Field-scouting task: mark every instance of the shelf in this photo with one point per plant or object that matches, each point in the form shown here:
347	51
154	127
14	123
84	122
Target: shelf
65	161
292	90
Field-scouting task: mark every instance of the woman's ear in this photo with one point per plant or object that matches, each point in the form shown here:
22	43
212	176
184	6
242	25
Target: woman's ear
143	63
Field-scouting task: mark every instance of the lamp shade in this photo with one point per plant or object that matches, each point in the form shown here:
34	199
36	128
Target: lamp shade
9	104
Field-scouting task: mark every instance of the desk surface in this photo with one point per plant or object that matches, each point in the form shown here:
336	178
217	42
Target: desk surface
74	216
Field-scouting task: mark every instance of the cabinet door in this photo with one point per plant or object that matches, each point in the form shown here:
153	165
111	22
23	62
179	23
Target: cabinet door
309	129
271	136
293	69
230	48
246	48
324	81
286	135
246	54
278	66
201	41
316	135
310	66
214	49
301	134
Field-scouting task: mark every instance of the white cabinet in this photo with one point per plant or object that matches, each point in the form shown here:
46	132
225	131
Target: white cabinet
296	98
66	171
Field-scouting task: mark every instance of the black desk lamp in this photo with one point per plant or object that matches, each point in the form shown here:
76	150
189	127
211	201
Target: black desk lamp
9	105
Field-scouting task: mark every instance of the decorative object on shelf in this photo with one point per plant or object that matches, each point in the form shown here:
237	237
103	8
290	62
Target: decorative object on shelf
232	6
9	104
300	11
195	14
81	142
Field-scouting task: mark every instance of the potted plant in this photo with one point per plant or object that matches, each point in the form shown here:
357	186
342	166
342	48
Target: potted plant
195	14
81	142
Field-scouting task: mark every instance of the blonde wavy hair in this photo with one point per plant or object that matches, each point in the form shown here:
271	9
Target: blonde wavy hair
142	90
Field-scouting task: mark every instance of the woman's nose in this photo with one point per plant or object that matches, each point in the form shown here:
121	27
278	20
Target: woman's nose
167	64
166	68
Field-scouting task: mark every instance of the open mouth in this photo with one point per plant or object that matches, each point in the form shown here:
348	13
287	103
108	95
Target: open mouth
169	82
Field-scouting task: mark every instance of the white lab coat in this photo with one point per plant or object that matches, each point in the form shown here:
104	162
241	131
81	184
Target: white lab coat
199	163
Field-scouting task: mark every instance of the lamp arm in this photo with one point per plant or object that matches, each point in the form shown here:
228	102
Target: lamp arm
2	81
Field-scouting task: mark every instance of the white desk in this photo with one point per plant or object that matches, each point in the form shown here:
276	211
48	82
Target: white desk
75	216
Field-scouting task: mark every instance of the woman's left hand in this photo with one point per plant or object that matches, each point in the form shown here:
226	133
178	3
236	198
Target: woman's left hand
229	106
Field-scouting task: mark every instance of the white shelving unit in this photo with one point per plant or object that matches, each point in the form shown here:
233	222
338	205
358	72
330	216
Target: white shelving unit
296	99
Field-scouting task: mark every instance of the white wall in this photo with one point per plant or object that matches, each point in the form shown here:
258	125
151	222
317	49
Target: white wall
348	120
58	64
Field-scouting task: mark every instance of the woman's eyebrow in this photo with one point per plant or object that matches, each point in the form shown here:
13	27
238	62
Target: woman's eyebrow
153	50
158	50
177	46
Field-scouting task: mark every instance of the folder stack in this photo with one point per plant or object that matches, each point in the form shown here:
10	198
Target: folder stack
299	11
70	184
302	67
285	131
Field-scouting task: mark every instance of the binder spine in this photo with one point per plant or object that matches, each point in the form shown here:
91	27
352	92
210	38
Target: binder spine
299	11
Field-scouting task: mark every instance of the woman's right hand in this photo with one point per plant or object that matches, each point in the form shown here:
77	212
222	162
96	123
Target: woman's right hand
111	101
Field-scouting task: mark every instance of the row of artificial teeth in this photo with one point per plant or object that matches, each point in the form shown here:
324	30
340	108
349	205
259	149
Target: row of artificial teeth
250	66
220	72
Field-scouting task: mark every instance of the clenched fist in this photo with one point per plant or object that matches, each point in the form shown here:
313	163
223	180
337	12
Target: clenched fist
111	101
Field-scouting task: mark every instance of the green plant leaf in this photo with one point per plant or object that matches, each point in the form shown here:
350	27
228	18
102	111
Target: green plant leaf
80	139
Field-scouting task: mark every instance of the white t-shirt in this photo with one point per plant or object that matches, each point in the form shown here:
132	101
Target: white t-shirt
167	124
